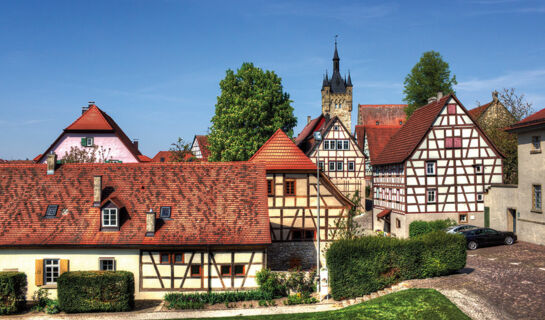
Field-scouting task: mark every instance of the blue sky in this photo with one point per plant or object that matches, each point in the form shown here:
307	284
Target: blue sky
155	66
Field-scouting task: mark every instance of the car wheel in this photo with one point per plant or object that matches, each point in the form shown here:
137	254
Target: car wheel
472	245
508	240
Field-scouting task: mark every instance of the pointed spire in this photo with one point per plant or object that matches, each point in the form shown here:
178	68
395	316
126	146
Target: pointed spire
349	84
336	57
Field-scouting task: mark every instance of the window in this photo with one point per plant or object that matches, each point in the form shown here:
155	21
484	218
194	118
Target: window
164	258
449	142
536	142
398	223
453	142
51	211
480	197
346	145
326	144
225	270
270	189
431	196
162	159
332	166
378	122
451	109
339	144
109	217
536	197
350	165
302	234
239	270
336	128
430	168
195	270
321	165
478	169
178	258
107	264
462	218
165	212
339	166
332	144
400	122
457	142
289	187
87	142
51	271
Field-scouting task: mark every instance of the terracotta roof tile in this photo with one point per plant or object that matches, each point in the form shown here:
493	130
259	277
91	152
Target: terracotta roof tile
212	204
377	137
167	156
537	118
280	153
385	114
475	113
203	145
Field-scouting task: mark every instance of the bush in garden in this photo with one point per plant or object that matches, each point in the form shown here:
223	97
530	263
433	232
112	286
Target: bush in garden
13	286
199	300
418	228
360	266
299	282
91	291
272	283
299	298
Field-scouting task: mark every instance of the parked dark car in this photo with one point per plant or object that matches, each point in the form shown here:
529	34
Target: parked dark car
459	228
486	237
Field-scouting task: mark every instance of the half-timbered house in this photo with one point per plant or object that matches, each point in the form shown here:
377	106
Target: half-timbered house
292	188
199	147
436	166
175	226
97	134
340	157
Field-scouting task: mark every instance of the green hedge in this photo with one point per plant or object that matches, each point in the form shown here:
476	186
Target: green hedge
91	291
368	264
418	228
198	300
13	286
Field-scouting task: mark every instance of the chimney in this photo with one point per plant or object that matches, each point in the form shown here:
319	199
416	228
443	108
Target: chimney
495	96
135	143
308	119
84	109
91	103
439	95
432	99
97	191
150	223
51	161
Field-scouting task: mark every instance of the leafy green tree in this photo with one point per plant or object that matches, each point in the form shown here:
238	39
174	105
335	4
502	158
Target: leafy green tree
251	107
180	151
430	75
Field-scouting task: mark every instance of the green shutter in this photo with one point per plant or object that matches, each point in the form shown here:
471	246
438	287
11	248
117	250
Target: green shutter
486	217
83	142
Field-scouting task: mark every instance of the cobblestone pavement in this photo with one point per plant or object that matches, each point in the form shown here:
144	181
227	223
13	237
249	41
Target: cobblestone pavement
510	280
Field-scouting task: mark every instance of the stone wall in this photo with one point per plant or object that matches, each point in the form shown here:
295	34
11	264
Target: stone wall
282	256
344	113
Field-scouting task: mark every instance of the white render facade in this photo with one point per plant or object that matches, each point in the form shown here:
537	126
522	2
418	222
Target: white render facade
444	177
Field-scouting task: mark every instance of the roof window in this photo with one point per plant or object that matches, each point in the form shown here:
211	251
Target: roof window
51	211
165	212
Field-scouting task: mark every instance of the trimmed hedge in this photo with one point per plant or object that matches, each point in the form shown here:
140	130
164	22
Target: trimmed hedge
368	264
13	286
90	291
198	300
418	228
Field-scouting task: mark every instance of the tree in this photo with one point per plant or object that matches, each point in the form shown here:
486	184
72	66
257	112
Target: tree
516	104
251	107
428	77
87	155
180	151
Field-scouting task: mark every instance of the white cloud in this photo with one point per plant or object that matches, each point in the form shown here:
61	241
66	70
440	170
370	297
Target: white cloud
513	79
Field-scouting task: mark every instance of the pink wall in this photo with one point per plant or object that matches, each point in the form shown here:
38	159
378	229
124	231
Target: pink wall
118	151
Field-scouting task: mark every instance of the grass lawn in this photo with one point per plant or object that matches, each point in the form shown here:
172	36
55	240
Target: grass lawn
407	304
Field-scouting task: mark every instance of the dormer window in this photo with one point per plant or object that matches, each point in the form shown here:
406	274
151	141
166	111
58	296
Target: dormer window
110	217
51	211
165	213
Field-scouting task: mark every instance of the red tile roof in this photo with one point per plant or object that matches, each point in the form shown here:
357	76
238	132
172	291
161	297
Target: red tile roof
96	120
280	153
377	137
167	156
385	114
403	143
212	204
203	146
535	119
311	127
475	113
384	213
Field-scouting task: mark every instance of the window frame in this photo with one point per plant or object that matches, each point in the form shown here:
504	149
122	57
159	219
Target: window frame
89	141
326	144
270	187
332	145
303	234
433	167
536	143
51	266
351	166
428	193
480	197
225	266
292	192
47	210
451	108
334	166
465	220
101	260
169	212
478	168
340	144
168	255
535	200
340	166
321	165
195	275
237	274
346	144
116	215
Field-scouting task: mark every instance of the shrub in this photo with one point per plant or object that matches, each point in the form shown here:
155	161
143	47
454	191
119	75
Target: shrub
299	298
13	286
299	282
198	300
272	283
418	228
361	266
90	291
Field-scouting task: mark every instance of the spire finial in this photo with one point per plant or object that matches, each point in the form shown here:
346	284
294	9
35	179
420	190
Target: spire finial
336	36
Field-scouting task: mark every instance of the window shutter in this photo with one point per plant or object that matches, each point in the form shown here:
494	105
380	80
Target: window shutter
64	266
448	142
83	142
39	273
457	142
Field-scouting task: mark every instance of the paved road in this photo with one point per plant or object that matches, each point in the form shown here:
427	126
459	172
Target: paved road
504	282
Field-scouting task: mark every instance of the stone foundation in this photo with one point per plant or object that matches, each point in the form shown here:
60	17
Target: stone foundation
283	256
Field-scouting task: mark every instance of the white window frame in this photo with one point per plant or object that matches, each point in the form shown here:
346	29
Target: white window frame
433	168
346	144
339	142
340	166
326	144
101	265
480	197
537	197
52	270
351	166
478	168
110	214
334	166
332	145
89	141
431	196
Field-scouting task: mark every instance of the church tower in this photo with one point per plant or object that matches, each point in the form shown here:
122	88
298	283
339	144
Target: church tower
337	94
